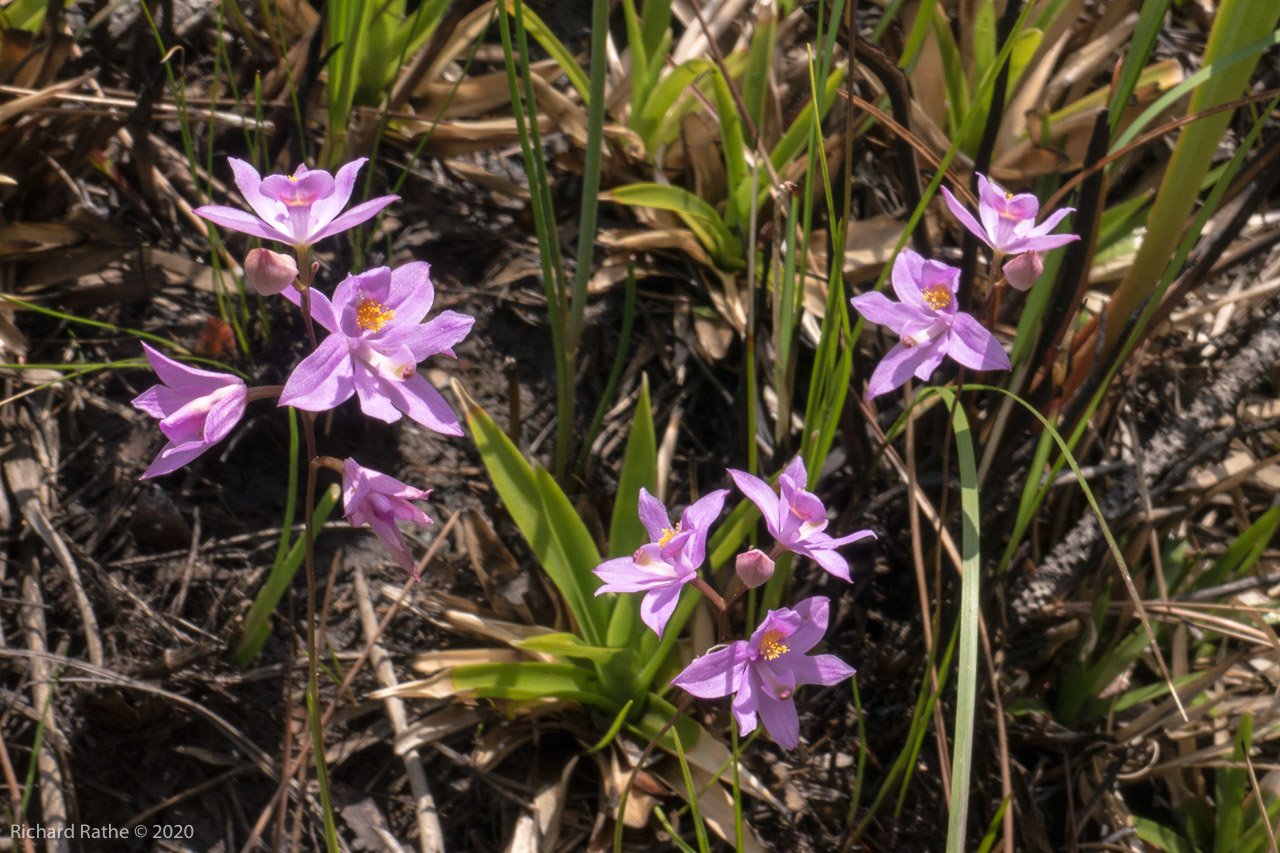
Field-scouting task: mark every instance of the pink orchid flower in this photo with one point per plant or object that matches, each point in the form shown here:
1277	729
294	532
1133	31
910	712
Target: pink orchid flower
765	670
298	209
670	560
381	500
1009	227
797	519
376	340
196	408
928	323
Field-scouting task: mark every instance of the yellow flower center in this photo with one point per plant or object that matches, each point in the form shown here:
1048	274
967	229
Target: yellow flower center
668	533
1008	196
372	315
771	645
937	296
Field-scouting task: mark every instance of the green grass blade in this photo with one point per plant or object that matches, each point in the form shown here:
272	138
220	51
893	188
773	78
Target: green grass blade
699	827
967	675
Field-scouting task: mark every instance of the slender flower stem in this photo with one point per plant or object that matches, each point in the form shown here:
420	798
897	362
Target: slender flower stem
712	596
263	392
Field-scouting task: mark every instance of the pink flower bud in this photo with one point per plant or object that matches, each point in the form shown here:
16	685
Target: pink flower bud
1024	270
754	567
269	272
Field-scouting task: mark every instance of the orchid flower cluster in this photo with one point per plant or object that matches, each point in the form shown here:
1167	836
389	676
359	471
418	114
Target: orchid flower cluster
377	337
764	670
927	320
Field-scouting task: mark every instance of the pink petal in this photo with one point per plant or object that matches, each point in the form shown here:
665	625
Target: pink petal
323	380
907	277
973	346
653	515
809	621
746	703
411	293
353	217
175	374
321	308
424	404
174	456
831	562
879	309
238	220
150	401
761	495
780	720
250	184
959	211
820	669
797	475
325	209
223	416
658	605
438	335
715	674
371	388
934	352
895	368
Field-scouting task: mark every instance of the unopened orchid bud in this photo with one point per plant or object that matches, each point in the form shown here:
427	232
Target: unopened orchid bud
269	272
754	567
1024	270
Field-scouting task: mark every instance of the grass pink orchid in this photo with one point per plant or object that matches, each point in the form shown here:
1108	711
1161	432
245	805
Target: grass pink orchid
1009	227
765	670
298	209
380	500
928	323
376	340
196	408
797	519
661	568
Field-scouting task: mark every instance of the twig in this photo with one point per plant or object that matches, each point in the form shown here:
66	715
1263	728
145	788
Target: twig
430	834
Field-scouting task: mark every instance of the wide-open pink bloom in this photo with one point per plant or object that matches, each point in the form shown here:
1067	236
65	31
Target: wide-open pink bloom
928	323
376	340
661	568
298	209
765	670
796	518
1009	227
196	408
380	500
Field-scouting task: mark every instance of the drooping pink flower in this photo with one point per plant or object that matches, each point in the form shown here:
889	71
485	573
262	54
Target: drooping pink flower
797	519
196	408
661	568
928	323
298	209
380	500
765	670
1009	227
376	340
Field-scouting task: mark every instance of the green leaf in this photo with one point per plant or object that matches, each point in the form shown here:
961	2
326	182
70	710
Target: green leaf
701	217
1162	837
544	515
567	646
1230	786
531	680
